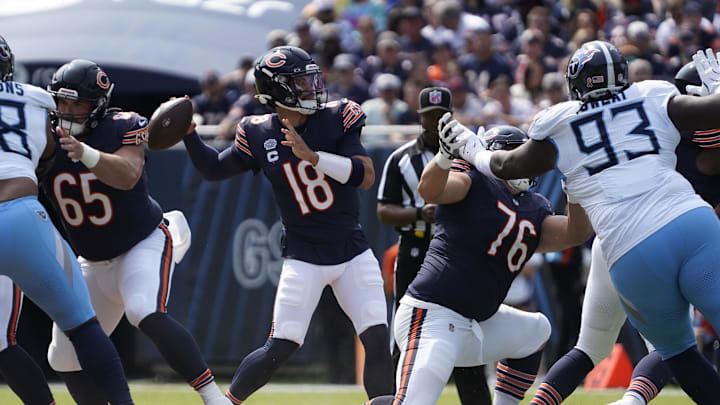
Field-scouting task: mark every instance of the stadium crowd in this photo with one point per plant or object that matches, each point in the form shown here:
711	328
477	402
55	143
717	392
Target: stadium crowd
502	59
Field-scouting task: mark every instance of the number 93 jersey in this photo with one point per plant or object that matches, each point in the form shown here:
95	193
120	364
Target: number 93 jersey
480	245
319	214
103	222
618	156
23	128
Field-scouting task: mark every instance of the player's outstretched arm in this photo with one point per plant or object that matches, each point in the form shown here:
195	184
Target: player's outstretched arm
560	232
121	169
531	159
213	165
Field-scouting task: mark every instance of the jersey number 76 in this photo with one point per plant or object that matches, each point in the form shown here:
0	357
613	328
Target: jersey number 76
518	246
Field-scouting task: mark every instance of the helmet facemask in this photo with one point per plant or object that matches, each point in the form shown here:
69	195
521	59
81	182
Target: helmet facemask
78	124
305	93
517	185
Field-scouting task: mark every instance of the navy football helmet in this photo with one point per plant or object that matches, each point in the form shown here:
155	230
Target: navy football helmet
81	80
288	77
7	61
596	71
687	75
506	137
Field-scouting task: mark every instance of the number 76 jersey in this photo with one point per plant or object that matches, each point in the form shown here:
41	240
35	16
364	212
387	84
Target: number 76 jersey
319	214
618	156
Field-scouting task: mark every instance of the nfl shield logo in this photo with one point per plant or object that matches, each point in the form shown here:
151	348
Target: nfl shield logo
435	97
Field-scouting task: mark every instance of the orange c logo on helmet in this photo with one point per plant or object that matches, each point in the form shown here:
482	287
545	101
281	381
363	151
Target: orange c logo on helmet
102	80
279	59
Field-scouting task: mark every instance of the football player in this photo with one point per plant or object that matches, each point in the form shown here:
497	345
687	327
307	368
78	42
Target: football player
99	186
310	151
35	256
615	143
602	315
452	314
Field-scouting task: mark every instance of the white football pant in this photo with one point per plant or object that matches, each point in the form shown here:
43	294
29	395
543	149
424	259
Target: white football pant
357	285
433	340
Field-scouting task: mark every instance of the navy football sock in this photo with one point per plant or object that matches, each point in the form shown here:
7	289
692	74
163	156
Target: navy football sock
649	377
562	379
257	367
83	388
696	376
472	386
177	347
98	357
24	376
378	374
516	376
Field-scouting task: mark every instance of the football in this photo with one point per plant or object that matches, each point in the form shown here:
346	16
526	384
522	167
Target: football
169	123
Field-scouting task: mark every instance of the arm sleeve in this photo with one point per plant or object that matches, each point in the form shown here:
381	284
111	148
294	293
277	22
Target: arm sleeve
136	132
353	119
390	188
213	165
707	139
461	165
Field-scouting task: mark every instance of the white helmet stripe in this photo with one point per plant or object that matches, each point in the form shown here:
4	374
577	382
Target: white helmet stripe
610	65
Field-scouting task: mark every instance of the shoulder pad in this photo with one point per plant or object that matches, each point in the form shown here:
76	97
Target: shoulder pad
130	125
545	120
39	96
351	114
656	88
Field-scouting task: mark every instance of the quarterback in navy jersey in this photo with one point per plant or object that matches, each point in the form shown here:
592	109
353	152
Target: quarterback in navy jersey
452	314
125	245
310	151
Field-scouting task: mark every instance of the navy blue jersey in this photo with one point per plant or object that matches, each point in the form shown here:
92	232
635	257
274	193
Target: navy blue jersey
480	244
708	187
103	222
319	214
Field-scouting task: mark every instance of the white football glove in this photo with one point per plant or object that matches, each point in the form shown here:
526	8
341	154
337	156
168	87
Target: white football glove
708	68
452	136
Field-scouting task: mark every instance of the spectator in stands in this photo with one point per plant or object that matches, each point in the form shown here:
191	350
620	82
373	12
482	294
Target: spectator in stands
444	64
301	36
410	25
213	103
481	63
640	46
276	37
328	45
411	96
528	80
467	107
503	109
361	8
682	14
554	88
453	24
321	12
639	70
346	83
387	60
235	80
386	108
247	104
366	38
532	42
539	18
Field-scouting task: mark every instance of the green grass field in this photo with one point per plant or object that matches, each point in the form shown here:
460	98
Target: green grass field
146	393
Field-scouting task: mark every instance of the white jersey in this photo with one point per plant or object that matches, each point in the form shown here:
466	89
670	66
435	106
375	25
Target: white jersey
23	128
618	156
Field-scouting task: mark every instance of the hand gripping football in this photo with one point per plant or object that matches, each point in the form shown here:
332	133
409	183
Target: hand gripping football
169	123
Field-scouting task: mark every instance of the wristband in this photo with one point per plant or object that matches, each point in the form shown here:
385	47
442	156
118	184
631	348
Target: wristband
90	156
336	166
418	213
481	161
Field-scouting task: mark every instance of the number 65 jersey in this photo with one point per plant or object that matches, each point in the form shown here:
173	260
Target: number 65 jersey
319	214
618	156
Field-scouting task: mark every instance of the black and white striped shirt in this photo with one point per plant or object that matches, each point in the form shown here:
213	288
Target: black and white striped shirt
400	178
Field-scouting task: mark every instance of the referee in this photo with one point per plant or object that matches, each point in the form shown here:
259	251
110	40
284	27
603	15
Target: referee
399	204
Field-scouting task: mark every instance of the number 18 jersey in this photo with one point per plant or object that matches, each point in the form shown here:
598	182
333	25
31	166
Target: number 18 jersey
23	128
618	156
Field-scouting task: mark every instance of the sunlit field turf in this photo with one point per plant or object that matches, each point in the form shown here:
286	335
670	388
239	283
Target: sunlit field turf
147	393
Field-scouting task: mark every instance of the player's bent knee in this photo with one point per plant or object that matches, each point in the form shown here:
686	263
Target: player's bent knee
137	308
543	329
62	358
290	330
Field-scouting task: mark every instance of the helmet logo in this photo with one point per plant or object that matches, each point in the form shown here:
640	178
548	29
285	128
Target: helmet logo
275	59
578	60
102	80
